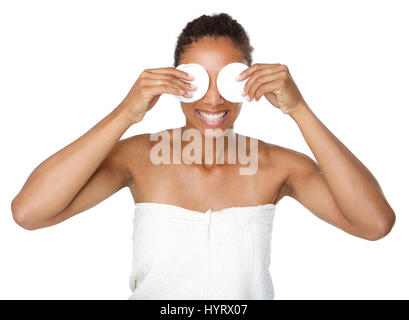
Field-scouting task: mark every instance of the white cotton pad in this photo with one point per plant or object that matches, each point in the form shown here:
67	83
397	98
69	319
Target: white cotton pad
227	84
201	80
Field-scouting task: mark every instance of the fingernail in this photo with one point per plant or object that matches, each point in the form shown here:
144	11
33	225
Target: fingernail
243	93
238	77
193	86
248	98
191	77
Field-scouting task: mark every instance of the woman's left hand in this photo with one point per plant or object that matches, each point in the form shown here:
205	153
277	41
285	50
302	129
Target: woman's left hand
274	81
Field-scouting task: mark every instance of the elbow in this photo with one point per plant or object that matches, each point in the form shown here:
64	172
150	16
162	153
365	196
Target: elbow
20	216
384	227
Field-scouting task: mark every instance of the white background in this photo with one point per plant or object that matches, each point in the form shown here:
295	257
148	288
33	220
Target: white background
64	65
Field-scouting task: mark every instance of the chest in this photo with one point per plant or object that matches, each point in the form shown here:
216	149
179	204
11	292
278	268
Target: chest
200	188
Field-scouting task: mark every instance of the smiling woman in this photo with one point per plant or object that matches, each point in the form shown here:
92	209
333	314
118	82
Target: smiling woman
202	230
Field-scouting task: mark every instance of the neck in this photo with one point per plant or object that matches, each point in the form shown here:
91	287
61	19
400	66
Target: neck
208	148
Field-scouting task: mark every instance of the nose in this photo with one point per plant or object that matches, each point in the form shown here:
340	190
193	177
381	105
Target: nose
213	96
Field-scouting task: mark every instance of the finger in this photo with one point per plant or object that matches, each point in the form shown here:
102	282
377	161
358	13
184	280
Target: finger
268	87
168	82
249	71
182	84
261	80
257	74
160	89
176	72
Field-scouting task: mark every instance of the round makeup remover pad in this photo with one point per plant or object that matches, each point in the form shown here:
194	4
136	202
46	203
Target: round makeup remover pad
227	84
201	80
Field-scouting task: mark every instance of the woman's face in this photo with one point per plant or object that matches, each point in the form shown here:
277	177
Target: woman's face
213	54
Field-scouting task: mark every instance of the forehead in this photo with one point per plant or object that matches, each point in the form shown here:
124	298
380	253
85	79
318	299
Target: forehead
212	53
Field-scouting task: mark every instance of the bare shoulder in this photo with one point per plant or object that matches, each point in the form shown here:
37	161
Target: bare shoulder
286	156
139	142
126	153
293	164
136	148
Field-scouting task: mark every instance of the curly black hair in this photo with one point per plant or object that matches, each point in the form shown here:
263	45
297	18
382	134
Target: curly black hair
217	25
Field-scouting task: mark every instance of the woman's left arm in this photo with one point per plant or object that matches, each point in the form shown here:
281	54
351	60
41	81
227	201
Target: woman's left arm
339	174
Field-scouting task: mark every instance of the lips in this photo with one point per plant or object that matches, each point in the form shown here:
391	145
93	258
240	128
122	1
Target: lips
212	118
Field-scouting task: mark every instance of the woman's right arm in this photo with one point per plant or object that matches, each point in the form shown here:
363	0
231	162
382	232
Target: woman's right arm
90	169
53	185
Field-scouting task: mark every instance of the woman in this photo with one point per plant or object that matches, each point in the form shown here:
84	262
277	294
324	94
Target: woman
203	231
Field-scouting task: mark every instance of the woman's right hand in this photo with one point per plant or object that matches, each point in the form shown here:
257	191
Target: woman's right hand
150	85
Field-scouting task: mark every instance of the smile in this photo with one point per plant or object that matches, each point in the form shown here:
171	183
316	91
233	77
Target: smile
211	118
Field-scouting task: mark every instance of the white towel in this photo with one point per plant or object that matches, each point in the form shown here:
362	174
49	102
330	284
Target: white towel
181	254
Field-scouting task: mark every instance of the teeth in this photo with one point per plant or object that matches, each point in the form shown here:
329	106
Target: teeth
212	117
